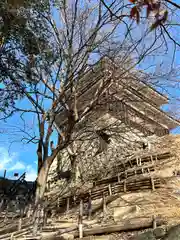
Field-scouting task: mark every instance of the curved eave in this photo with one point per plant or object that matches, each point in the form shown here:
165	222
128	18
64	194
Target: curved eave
141	104
160	98
160	117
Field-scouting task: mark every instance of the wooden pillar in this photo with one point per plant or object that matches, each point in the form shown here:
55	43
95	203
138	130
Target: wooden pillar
81	219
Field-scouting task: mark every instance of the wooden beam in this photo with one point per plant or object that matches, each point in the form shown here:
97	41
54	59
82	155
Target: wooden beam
131	225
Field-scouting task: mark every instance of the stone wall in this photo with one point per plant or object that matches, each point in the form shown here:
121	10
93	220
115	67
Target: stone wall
93	156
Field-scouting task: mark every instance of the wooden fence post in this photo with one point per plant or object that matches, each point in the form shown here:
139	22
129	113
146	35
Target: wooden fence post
125	189
152	183
137	163
89	206
12	236
48	186
104	206
67	206
45	217
154	222
41	216
119	178
36	220
20	224
1	204
5	216
126	175
152	159
81	219
29	211
140	162
110	190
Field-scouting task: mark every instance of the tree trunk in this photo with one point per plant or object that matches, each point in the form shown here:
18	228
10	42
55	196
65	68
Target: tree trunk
43	174
36	220
41	182
40	190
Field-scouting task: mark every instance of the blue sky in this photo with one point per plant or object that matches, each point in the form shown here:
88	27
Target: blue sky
18	157
15	156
